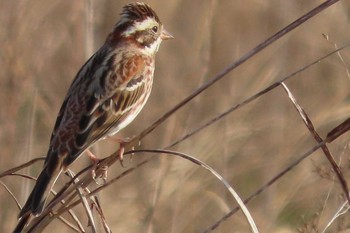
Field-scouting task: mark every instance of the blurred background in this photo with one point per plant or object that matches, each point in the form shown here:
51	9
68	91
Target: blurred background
45	42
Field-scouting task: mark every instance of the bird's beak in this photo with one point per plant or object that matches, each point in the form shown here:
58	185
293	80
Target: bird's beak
166	35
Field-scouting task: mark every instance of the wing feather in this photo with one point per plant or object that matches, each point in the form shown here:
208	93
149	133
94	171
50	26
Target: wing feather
104	111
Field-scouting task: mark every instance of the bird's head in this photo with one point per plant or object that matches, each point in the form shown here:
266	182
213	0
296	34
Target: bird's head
140	25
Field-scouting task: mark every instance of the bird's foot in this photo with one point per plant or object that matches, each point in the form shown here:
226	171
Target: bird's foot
95	167
122	143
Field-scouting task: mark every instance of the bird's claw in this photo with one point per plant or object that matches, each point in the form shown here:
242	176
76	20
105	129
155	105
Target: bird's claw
103	175
95	167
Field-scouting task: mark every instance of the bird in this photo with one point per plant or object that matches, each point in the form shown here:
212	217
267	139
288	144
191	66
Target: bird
106	95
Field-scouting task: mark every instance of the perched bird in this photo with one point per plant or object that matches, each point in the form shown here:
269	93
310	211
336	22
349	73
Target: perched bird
107	94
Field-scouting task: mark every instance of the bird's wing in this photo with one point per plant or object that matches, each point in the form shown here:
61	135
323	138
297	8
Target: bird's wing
98	102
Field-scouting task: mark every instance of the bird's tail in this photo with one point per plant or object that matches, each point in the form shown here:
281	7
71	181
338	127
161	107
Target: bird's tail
37	198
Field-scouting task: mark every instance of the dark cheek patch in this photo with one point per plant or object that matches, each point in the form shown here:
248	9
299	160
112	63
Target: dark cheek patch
145	38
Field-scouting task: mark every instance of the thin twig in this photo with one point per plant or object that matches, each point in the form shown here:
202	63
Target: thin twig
15	169
339	54
84	201
318	139
65	208
338	131
342	210
70	225
11	194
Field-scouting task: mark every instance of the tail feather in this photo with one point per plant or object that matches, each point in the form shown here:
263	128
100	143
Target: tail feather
22	221
36	201
47	178
37	198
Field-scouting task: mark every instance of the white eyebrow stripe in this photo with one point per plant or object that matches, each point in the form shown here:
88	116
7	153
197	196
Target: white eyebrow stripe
140	26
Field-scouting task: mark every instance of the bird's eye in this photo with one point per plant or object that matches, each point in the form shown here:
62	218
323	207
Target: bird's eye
155	29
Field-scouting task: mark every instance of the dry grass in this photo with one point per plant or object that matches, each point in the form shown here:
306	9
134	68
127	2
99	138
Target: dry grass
44	43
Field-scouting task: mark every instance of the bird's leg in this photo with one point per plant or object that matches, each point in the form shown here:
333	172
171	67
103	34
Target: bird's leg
122	143
95	162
